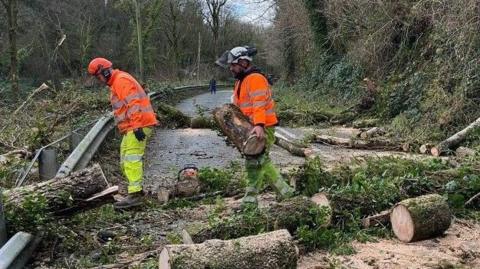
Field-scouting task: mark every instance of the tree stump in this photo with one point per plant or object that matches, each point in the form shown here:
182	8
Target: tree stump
270	250
420	218
237	127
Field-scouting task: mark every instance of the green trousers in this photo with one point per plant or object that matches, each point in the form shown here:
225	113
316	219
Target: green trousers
131	159
261	171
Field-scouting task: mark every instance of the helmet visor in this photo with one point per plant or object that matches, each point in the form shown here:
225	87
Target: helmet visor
225	60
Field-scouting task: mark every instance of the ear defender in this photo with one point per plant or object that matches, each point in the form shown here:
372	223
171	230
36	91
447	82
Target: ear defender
106	72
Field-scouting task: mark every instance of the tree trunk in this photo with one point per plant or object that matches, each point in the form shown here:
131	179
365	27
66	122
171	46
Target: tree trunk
372	132
59	193
237	127
372	144
293	148
454	140
138	23
420	218
270	250
288	214
12	11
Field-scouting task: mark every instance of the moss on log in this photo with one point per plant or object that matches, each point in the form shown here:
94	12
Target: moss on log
270	250
420	218
288	214
28	206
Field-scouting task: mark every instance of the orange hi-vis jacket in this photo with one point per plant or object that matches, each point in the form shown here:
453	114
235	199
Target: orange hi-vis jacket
131	105
253	96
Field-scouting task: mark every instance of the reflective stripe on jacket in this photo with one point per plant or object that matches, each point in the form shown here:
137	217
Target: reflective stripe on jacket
131	105
253	96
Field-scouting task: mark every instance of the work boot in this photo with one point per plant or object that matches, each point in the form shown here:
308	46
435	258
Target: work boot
132	200
249	201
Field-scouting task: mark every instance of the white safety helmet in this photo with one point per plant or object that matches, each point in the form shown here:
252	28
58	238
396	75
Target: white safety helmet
234	55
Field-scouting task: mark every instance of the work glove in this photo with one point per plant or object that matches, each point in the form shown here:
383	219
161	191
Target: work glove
139	134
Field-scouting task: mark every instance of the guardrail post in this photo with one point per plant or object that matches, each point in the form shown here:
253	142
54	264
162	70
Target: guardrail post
75	139
47	164
3	226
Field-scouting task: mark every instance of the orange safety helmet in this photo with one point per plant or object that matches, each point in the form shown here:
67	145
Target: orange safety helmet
97	65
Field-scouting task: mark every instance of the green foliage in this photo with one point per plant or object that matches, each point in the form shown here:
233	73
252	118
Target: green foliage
30	216
215	179
313	177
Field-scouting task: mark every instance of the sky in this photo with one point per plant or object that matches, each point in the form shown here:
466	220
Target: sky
253	11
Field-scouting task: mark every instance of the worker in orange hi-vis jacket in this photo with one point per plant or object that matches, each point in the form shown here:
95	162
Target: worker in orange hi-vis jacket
253	95
134	117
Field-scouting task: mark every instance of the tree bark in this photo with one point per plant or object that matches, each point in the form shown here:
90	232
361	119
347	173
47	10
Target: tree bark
454	140
60	193
420	218
270	250
237	127
288	214
293	148
12	11
371	144
372	132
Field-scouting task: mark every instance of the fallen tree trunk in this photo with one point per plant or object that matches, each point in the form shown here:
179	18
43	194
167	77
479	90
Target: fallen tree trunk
169	116
202	122
288	214
52	196
371	144
455	140
294	148
237	127
60	193
420	218
270	250
372	132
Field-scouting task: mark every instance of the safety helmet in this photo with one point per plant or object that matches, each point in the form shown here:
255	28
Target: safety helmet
97	65
234	55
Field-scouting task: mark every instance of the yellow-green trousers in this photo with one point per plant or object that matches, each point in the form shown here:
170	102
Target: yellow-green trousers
131	159
261	171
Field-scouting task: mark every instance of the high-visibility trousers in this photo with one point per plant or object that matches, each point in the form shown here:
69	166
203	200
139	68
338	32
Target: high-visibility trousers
131	159
261	171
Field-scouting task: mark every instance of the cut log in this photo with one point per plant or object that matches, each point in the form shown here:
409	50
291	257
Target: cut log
288	214
371	144
463	152
381	218
420	218
372	132
237	127
455	140
270	250
292	147
425	148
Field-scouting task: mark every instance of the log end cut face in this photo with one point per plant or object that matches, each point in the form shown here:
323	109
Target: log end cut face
402	223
